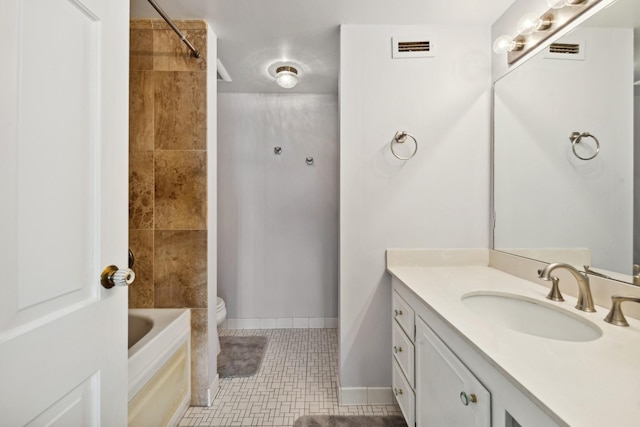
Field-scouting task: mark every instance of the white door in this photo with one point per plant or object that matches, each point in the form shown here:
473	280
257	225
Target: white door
447	393
63	211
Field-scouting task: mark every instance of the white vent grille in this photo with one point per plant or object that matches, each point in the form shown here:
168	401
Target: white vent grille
413	47
566	50
421	46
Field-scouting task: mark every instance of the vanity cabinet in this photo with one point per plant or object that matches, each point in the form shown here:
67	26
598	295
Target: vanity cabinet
402	337
447	393
440	380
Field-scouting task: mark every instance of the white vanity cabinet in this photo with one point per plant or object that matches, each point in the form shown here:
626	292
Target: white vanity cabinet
438	374
403	378
447	393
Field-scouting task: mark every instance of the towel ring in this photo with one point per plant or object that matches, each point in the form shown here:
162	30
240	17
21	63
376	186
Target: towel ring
399	138
575	138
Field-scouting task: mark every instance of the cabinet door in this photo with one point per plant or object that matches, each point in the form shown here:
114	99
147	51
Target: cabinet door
447	393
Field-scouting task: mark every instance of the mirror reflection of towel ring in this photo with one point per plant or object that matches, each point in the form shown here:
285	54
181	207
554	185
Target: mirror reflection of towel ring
400	138
575	138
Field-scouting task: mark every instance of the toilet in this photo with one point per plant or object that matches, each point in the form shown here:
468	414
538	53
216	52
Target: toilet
221	312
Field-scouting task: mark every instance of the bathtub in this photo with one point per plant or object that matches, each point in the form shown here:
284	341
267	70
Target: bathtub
159	387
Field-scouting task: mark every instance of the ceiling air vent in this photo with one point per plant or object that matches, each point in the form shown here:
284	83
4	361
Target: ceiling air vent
574	51
414	47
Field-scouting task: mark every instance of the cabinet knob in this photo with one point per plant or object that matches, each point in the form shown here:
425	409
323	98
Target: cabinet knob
397	349
397	313
465	399
397	391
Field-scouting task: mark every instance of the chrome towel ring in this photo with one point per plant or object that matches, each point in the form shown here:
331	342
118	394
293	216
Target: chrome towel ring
576	137
400	138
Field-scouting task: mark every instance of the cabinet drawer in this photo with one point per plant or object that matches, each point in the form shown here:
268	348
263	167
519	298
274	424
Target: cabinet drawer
404	395
403	352
403	313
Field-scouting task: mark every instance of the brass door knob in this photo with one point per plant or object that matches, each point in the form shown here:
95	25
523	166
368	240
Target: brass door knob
113	276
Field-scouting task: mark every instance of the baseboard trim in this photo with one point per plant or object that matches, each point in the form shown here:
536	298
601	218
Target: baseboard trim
365	396
281	323
213	389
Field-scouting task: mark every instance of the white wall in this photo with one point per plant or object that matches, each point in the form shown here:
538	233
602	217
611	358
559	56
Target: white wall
544	196
278	217
439	199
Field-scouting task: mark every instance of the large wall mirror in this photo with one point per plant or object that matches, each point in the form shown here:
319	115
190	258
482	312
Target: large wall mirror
564	198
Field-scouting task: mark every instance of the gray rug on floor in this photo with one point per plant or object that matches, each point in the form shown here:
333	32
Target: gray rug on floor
350	421
240	356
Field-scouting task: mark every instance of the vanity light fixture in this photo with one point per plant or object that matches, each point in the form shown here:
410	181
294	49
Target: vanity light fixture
506	43
531	23
559	4
287	76
535	29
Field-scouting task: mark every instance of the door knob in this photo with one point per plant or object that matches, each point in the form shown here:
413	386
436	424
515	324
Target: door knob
113	276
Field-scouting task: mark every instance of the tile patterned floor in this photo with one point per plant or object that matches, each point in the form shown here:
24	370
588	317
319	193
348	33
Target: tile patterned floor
298	377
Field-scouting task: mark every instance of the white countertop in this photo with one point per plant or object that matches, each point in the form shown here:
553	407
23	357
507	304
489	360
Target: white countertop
592	383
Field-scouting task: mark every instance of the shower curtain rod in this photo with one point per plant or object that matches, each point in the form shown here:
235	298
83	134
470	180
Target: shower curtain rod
186	41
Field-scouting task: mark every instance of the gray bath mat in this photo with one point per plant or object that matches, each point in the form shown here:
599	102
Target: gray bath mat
240	356
350	421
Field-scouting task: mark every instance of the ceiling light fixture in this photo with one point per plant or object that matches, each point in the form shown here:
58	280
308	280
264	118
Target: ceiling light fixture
287	76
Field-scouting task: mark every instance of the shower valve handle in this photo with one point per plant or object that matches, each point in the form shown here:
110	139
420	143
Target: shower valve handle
113	276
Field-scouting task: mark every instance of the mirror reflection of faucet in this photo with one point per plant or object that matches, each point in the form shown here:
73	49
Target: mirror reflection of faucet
588	270
585	300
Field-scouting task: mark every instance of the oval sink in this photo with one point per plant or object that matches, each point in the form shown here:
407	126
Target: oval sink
530	316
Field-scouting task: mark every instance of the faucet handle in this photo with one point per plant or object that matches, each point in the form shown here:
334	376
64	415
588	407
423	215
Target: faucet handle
554	293
615	316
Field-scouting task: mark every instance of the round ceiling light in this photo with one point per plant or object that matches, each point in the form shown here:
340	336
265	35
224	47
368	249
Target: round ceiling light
286	76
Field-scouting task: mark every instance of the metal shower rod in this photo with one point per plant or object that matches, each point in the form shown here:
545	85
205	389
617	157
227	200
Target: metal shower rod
168	20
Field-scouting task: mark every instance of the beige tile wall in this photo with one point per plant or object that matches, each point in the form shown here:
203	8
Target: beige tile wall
168	178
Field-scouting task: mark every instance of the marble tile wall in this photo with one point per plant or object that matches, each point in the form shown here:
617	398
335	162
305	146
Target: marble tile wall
168	178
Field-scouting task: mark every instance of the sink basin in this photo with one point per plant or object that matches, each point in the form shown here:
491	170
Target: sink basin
531	316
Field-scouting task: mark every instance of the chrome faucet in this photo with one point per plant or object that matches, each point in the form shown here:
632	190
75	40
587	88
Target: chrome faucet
585	300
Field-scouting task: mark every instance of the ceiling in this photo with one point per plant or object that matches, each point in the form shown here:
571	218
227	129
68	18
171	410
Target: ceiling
255	34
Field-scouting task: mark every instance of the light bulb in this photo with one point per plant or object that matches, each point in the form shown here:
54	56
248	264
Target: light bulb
286	77
559	4
556	4
532	22
506	43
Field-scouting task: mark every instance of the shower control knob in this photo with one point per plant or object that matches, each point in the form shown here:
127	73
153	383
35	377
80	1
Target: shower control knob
113	276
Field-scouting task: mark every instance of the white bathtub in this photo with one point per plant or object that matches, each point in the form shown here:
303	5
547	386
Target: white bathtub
159	365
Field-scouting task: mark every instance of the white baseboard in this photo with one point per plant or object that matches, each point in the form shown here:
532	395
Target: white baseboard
365	395
281	323
213	389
